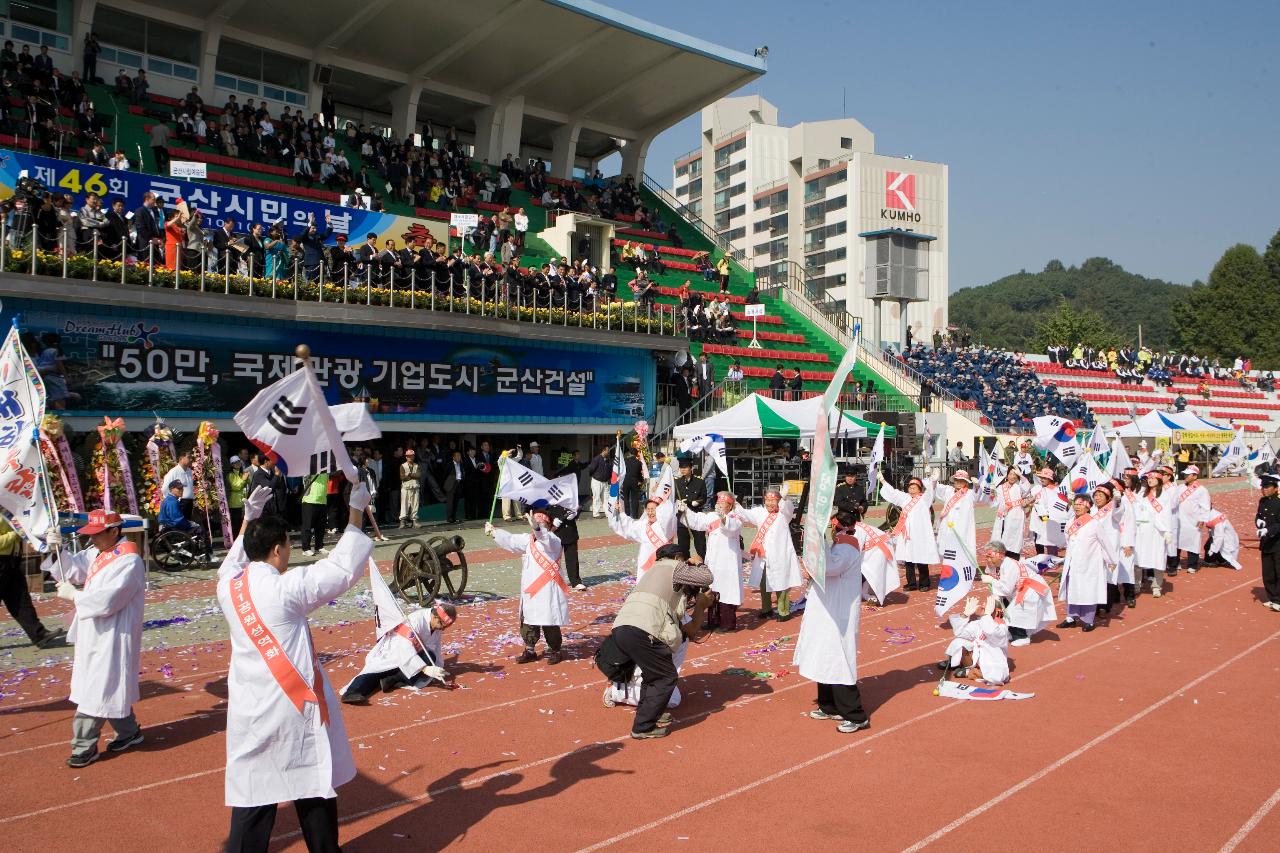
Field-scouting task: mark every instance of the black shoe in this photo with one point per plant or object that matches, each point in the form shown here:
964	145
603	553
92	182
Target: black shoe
924	587
724	630
390	682
1086	627
911	587
529	656
787	618
1131	602
1068	623
83	759
121	744
354	699
52	639
765	614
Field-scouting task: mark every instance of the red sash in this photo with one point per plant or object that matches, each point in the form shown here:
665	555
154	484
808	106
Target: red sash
550	571
713	526
1026	581
845	539
1216	520
757	544
656	541
1187	490
1155	504
1008	504
278	663
1077	524
105	557
955	499
876	540
408	633
900	529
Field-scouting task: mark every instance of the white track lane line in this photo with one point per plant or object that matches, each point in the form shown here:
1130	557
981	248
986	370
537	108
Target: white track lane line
1251	823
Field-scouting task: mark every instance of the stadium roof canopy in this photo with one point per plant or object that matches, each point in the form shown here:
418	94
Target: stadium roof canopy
539	72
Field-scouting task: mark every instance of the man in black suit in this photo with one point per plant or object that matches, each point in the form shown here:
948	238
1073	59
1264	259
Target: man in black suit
777	383
684	394
113	235
43	64
224	256
632	480
455	484
705	377
149	220
851	495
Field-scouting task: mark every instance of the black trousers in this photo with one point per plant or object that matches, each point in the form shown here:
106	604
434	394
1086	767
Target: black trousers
631	501
699	537
653	658
918	569
552	634
186	505
453	499
842	700
313	522
1192	560
317	817
237	519
1271	575
570	552
17	599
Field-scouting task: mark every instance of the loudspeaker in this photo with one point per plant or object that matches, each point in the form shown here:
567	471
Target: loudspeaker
324	74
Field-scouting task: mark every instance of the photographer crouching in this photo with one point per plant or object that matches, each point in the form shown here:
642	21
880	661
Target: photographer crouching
649	628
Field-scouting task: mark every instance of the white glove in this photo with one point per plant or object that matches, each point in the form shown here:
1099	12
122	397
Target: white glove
54	540
681	506
67	591
256	503
488	528
436	672
360	498
1168	538
971	605
933	473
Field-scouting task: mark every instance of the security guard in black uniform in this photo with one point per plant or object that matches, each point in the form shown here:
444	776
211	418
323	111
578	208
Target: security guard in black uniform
693	491
1268	522
851	495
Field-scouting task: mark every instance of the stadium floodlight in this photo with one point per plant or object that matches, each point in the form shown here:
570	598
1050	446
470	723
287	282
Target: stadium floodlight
763	51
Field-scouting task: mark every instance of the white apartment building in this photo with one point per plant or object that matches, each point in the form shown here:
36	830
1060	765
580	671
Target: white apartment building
867	229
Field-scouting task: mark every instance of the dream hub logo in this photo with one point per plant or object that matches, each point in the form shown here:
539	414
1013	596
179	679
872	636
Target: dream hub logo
131	334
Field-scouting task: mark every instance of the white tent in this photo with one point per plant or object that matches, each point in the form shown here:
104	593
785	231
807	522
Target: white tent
761	417
1157	424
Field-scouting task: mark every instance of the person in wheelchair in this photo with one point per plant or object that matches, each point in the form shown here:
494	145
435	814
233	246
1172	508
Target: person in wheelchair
171	518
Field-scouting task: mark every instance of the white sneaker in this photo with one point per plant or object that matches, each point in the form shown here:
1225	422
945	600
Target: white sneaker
580	587
1156	593
308	553
324	551
1274	606
1021	641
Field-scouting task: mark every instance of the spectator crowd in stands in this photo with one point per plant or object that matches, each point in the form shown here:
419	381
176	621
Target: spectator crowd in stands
997	383
1133	365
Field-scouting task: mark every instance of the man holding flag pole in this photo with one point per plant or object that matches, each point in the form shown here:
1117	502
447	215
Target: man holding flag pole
285	737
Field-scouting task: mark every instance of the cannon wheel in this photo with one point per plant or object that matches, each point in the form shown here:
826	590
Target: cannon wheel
411	566
445	573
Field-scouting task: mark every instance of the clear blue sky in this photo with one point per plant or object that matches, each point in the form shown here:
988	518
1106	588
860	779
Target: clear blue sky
1145	132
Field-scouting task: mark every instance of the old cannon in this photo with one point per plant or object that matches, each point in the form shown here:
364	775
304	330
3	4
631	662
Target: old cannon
422	570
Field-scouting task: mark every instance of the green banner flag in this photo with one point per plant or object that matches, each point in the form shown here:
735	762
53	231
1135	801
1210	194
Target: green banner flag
822	473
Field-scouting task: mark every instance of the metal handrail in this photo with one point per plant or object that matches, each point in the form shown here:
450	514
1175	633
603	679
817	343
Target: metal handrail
684	212
722	137
703	406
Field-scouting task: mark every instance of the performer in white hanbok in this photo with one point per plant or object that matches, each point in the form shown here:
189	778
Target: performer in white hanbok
408	654
827	648
1011	499
1028	598
1191	506
544	589
1105	510
1024	461
106	629
1125	514
1224	543
1048	530
628	693
1089	560
913	540
655	528
775	568
1144	459
724	558
1172	488
955	520
1153	520
879	566
980	649
285	737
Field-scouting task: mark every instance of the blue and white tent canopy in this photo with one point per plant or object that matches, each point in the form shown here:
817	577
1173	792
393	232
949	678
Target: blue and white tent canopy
1157	424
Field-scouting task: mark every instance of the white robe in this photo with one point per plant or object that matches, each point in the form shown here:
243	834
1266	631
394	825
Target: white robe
1173	492
1036	611
780	565
916	543
879	570
1151	528
106	628
957	523
395	651
1085	567
1010	526
827	648
1025	463
629	693
1191	506
988	641
724	552
1046	530
637	530
276	753
1125	513
550	604
1224	539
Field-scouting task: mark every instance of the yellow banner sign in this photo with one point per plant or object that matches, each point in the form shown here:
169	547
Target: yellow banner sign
1202	436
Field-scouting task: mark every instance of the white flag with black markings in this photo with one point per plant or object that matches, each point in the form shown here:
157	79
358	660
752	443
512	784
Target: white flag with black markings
518	483
291	419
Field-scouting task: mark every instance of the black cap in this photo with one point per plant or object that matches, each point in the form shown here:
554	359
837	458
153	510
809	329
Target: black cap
1269	480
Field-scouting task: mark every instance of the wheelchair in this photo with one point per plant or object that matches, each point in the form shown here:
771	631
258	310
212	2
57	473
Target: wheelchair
174	549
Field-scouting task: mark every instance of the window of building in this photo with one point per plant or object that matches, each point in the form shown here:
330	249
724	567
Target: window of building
681	171
695	188
735	234
682	190
37	13
774	200
897	267
157	40
846	143
776	223
695	168
818	186
724	153
740	210
255	63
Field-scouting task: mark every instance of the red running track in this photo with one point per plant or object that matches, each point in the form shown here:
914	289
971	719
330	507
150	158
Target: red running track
1149	733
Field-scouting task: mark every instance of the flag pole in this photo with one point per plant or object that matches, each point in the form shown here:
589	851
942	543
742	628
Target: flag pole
54	519
502	460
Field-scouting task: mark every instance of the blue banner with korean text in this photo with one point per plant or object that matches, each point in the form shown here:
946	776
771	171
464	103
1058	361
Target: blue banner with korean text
121	360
